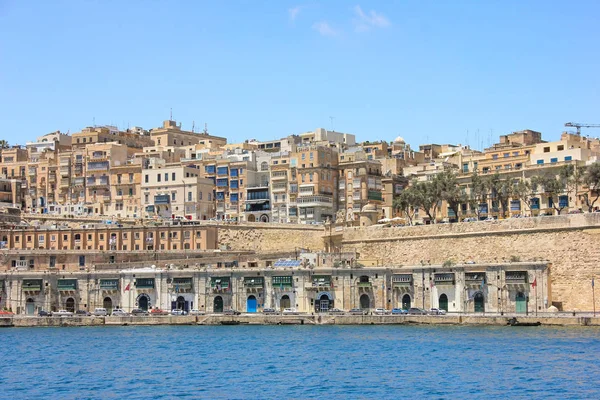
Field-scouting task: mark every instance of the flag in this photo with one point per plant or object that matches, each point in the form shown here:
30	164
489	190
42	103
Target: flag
127	287
534	283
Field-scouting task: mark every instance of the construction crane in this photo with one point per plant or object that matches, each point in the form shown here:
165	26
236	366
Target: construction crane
579	126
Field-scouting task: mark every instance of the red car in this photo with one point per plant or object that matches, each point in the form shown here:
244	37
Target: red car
158	311
2	312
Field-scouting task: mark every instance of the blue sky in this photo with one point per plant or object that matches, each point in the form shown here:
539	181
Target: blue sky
426	70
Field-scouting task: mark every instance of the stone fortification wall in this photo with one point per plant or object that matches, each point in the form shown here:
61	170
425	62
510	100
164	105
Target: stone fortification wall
570	243
269	238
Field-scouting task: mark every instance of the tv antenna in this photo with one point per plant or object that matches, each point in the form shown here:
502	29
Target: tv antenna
331	119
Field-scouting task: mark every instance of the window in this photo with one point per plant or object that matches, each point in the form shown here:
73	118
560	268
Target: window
563	201
560	147
173	176
173	196
146	178
166	177
546	149
554	160
540	162
158	177
189	196
506	155
146	200
515	153
130	191
82	261
568	158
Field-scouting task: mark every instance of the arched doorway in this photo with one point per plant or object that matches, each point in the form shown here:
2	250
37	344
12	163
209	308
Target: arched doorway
107	304
521	303
181	304
29	307
251	304
365	302
70	304
251	218
323	303
406	302
143	302
443	303
479	302
284	302
218	304
264	218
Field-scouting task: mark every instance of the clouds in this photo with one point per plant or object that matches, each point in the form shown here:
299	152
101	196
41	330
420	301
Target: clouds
293	12
365	21
362	21
324	29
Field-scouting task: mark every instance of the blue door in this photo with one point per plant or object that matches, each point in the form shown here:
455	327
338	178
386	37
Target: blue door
251	304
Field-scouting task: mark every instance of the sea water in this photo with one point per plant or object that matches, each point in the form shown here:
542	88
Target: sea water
281	362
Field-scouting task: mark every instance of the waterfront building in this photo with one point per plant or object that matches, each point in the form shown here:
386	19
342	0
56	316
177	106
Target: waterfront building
359	182
498	288
132	140
171	134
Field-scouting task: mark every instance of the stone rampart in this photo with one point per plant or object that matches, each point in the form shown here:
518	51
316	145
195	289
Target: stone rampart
571	244
269	238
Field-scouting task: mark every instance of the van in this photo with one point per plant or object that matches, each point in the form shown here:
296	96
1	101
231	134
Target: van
100	312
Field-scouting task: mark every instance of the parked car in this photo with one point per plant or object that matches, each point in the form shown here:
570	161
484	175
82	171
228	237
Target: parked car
62	313
178	312
43	313
83	313
139	312
158	311
337	311
269	311
417	311
436	311
231	312
100	312
399	311
290	311
380	311
117	312
197	312
358	311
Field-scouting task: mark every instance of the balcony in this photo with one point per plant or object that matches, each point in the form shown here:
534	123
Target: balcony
375	195
315	201
52	178
109	284
320	283
99	156
475	278
32	285
516	277
180	285
67	285
279	176
91	182
65	182
443	279
220	285
32	171
402	281
65	171
98	166
254	284
278	188
144	283
364	286
78	182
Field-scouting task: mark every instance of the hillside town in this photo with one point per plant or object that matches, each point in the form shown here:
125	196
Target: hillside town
169	173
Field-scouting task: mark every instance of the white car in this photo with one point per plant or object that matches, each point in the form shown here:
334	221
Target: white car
197	312
62	313
100	312
178	312
117	312
380	311
290	311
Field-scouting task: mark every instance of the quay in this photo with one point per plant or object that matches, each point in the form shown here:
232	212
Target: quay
306	319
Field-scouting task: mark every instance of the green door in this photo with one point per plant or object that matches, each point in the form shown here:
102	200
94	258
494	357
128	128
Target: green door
479	302
521	303
443	302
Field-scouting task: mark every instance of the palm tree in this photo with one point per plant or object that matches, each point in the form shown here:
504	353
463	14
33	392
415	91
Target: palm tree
4	144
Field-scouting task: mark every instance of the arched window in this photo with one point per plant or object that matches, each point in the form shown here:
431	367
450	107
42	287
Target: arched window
264	166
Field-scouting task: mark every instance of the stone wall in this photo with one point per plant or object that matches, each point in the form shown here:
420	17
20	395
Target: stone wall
269	238
571	244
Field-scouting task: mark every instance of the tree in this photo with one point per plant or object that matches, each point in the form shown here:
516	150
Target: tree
477	194
526	190
450	190
501	190
591	178
407	202
557	185
4	144
427	196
